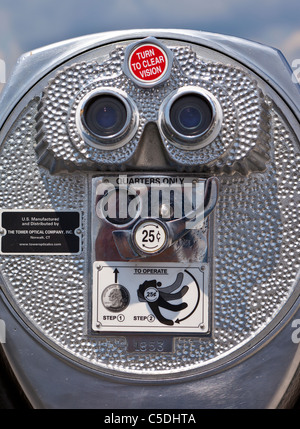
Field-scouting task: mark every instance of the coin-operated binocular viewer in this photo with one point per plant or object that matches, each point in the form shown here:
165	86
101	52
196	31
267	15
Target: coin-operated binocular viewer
149	237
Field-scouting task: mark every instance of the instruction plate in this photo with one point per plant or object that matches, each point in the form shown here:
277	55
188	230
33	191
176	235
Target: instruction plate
150	297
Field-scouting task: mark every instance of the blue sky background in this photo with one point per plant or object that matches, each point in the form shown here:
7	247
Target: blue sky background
29	24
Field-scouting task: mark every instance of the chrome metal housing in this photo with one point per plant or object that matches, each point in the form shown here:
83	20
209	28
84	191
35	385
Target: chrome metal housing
248	358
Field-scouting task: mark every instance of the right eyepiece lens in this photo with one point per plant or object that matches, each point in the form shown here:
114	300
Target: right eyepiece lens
191	115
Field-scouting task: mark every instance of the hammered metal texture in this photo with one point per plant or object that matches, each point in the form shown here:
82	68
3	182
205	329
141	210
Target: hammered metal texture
256	233
242	144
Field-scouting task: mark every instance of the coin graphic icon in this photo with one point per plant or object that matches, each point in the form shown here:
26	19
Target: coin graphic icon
115	298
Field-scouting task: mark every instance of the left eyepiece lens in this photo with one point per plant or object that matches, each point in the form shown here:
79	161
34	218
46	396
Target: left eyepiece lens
105	115
107	118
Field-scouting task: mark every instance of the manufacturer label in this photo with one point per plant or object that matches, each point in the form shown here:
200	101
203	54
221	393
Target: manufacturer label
148	63
150	297
40	232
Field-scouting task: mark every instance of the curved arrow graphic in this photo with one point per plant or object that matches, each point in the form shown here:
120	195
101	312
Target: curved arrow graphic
198	299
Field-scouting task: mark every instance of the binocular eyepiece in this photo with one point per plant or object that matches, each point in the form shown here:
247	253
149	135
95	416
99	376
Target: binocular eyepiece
107	117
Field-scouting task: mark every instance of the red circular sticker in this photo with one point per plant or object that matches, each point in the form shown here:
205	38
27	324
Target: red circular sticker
148	63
